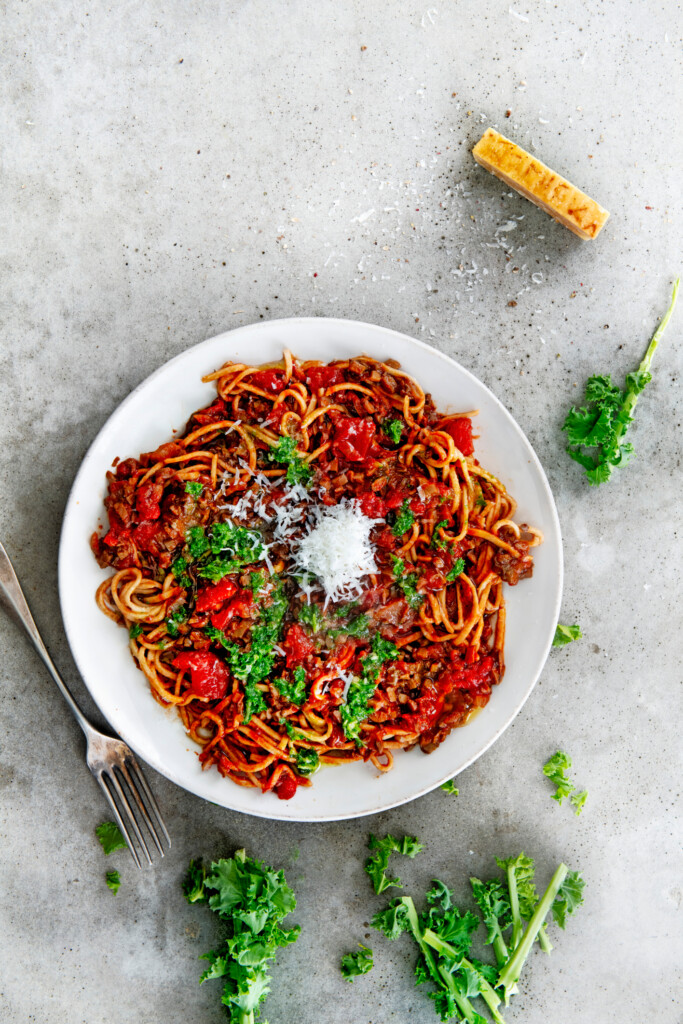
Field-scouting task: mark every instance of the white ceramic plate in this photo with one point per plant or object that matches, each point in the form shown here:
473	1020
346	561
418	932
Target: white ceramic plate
148	417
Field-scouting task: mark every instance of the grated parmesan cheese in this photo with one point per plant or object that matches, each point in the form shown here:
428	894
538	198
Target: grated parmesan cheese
338	550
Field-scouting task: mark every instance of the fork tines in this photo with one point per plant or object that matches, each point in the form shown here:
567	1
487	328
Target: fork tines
134	806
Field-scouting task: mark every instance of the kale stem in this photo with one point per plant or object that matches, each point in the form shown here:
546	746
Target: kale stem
629	403
500	949
419	938
647	358
513	968
461	1001
486	991
544	942
514	905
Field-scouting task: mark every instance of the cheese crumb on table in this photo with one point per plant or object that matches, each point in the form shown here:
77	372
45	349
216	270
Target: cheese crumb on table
544	187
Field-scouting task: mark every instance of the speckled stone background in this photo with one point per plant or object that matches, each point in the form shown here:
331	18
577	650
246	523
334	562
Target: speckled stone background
171	170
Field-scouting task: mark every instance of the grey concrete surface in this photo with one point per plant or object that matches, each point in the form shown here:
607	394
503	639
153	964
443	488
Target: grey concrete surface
172	170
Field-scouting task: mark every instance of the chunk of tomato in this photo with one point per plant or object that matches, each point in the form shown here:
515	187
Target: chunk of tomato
461	432
209	676
240	605
353	438
272	381
372	505
297	645
318	377
147	500
214	596
286	787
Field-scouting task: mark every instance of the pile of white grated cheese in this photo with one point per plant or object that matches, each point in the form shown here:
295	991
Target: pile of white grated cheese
338	550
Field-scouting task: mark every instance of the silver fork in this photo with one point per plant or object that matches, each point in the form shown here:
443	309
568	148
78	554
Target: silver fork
109	759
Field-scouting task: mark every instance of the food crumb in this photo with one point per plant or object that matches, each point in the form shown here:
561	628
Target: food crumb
512	302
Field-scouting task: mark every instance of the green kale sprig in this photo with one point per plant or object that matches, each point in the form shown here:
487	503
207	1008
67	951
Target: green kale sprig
376	865
566	634
515	919
556	768
353	964
111	837
450	787
602	422
253	899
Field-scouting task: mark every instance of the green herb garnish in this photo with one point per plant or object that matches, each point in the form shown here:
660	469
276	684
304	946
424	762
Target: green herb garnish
404	520
243	546
353	964
605	418
345	609
194	488
286	452
450	787
437	541
458	567
294	692
110	836
218	636
311	616
242	543
565	634
393	429
255	663
174	620
179	570
215	569
361	691
257	582
197	541
135	631
307	761
291	730
357	627
407	582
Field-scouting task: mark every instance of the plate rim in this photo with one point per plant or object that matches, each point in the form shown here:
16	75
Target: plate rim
267	812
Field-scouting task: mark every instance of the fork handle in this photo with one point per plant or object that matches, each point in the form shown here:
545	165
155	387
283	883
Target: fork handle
13	601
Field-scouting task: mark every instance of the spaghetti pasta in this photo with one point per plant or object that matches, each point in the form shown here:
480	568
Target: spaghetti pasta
313	573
